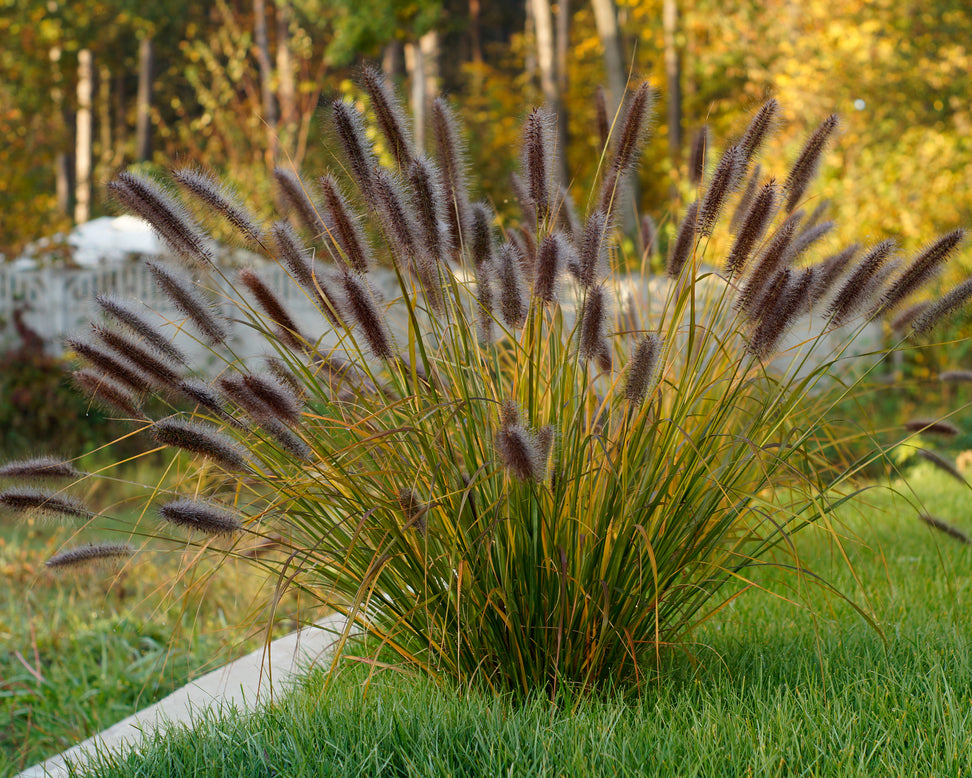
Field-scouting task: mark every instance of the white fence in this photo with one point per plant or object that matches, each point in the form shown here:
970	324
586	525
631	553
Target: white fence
58	302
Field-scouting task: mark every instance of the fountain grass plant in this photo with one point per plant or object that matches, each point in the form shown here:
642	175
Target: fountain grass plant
499	472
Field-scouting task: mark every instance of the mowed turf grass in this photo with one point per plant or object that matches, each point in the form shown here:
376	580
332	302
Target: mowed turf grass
802	686
82	650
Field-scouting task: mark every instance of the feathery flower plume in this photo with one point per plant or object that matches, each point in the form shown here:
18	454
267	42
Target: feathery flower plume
935	312
808	236
187	300
40	468
536	159
482	236
830	270
649	234
168	217
907	317
138	356
200	439
413	508
484	299
117	370
816	215
642	368
107	392
634	129
604	358
593	316
526	244
395	218
201	394
41	501
512	292
390	116
285	377
724	181
805	167
271	305
772	258
923	269
603	123
90	554
346	232
950	376
528	208
551	259
700	147
753	227
122	312
293	256
877	285
944	526
932	427
281	402
781	311
592	262
423	178
200	517
761	125
937	460
351	134
745	200
295	193
684	243
851	296
518	448
205	187
452	163
361	305
567	214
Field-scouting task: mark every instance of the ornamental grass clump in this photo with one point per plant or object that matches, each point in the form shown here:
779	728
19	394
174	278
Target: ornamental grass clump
483	470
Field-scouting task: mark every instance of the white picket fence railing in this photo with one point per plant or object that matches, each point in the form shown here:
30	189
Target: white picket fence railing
58	302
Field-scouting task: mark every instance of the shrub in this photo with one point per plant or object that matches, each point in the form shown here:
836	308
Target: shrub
498	472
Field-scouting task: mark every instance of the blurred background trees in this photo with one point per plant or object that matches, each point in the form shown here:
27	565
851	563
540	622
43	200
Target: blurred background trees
87	87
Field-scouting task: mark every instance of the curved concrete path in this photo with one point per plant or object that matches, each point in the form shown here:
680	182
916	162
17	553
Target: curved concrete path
256	678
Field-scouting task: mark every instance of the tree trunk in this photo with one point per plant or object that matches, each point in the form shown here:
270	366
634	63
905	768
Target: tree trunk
415	65
143	100
266	77
107	147
606	21
549	81
62	161
608	30
393	61
673	81
82	190
285	67
475	35
431	47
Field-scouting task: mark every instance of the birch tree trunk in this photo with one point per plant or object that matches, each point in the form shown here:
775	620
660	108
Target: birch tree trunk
266	77
608	30
549	81
62	161
285	70
143	100
673	80
82	152
606	21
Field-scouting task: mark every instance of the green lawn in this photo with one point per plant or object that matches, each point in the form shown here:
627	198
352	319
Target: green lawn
771	687
80	651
